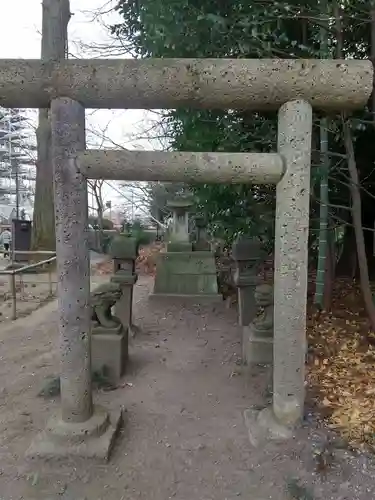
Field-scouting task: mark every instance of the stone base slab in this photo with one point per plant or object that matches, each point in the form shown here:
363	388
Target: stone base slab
186	273
191	299
202	246
263	427
110	350
103	330
176	246
255	349
93	439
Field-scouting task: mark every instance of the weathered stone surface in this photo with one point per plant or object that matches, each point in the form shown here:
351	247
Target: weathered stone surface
262	427
231	168
124	306
109	349
182	202
263	324
201	244
109	340
124	251
257	341
179	234
291	259
256	350
259	84
73	268
179	246
247	254
92	439
246	248
102	299
186	273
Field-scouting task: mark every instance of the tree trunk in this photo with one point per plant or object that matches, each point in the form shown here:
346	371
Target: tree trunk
43	234
329	275
54	43
357	222
323	251
372	53
96	187
100	229
355	191
347	265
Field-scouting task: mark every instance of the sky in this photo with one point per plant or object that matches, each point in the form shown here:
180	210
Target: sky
20	37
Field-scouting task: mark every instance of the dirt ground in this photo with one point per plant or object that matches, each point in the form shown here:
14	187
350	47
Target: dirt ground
184	437
32	291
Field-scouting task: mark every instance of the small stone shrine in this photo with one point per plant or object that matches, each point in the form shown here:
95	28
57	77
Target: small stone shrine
182	272
257	344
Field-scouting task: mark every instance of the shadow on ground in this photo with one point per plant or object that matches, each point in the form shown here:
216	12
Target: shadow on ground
184	438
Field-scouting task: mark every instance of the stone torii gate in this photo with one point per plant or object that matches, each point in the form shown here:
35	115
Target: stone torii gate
68	87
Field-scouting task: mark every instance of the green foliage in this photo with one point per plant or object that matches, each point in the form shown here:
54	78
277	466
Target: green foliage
258	29
159	194
107	223
137	230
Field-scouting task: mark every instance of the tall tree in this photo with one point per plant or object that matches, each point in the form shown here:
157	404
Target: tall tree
287	29
231	29
54	47
323	255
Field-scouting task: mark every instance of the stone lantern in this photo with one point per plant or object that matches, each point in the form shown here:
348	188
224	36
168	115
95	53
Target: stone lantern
124	252
247	254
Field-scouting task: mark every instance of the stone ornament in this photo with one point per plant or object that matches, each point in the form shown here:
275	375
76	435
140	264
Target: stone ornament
262	325
257	340
124	252
102	299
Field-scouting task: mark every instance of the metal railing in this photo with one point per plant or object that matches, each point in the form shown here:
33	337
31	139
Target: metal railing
12	273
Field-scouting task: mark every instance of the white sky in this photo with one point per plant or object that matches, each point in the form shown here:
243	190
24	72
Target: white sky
20	37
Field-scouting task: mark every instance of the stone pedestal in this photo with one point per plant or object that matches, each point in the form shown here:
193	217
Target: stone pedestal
187	275
109	349
257	340
248	255
256	349
179	246
109	339
92	439
124	252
